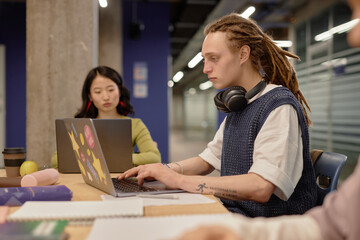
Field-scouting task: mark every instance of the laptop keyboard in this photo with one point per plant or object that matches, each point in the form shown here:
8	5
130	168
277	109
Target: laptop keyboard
127	185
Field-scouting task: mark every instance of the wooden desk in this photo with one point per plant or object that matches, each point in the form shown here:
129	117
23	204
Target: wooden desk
83	192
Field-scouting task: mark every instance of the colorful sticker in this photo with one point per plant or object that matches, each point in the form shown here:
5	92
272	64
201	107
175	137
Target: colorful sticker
90	177
82	139
82	169
92	170
73	127
74	143
97	166
82	157
89	136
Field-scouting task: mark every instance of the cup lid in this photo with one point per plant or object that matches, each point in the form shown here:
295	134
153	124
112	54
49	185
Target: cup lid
14	150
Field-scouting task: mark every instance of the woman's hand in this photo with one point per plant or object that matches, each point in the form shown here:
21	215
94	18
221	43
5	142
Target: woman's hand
157	171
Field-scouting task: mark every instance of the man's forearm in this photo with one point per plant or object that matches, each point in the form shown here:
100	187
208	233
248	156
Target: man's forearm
238	187
192	166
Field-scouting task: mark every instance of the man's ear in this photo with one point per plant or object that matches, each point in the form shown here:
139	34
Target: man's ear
244	53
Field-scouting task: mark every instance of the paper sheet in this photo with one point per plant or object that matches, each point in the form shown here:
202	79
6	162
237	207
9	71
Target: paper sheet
183	199
151	228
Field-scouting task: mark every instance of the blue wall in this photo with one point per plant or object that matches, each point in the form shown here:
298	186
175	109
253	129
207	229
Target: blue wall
13	36
152	48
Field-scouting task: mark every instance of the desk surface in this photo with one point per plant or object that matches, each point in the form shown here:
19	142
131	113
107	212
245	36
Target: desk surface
83	192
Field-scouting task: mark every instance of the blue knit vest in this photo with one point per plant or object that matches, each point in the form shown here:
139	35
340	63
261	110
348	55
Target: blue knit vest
240	132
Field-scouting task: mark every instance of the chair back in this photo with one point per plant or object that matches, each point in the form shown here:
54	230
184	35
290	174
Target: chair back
328	166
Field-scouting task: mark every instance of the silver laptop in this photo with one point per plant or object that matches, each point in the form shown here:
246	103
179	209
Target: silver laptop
114	136
88	152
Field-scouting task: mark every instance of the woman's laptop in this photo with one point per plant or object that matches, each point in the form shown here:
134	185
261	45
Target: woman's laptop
90	158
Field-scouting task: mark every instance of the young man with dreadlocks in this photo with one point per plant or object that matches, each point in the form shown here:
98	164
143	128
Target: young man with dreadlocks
337	218
262	147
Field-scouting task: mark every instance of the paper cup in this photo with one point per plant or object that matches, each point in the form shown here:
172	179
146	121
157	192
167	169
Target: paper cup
13	158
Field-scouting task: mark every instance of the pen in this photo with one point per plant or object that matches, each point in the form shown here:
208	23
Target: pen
157	196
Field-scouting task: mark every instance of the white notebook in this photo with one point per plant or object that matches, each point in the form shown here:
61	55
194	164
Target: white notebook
77	210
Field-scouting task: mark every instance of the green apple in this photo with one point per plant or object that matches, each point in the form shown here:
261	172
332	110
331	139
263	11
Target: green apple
28	167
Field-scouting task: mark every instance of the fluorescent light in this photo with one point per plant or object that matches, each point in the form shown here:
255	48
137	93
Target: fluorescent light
323	36
103	3
192	91
338	29
205	85
346	26
247	13
170	83
178	76
193	62
335	62
283	43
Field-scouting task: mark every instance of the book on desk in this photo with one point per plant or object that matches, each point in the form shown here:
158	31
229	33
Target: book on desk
16	196
35	230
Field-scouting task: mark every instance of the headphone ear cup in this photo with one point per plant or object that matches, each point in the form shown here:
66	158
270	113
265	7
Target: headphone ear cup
234	99
219	102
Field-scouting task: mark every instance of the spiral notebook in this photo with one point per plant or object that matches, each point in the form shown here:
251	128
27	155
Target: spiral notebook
77	210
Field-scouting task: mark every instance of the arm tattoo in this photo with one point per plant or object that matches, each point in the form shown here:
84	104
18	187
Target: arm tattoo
218	192
223	193
201	187
223	190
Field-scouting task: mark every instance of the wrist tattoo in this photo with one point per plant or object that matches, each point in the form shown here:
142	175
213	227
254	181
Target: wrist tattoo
201	187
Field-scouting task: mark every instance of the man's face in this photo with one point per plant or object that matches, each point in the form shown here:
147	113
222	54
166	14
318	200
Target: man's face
354	35
220	64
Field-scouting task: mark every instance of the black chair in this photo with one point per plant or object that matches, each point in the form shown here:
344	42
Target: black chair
328	166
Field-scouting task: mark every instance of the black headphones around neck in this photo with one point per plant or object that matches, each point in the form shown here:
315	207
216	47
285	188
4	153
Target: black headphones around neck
234	99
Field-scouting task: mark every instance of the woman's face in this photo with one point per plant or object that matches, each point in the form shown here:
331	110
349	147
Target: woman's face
105	94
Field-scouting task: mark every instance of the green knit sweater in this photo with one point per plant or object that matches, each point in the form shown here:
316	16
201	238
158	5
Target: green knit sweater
148	151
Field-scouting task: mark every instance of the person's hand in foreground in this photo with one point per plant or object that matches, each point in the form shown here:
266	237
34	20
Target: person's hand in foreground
210	232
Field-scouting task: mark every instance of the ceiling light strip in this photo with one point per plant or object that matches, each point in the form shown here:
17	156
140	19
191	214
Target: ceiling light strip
195	60
338	29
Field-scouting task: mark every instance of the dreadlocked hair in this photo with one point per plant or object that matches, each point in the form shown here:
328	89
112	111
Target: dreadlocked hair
265	55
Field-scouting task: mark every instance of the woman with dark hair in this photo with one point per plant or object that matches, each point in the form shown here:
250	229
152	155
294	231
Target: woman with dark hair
113	87
104	96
